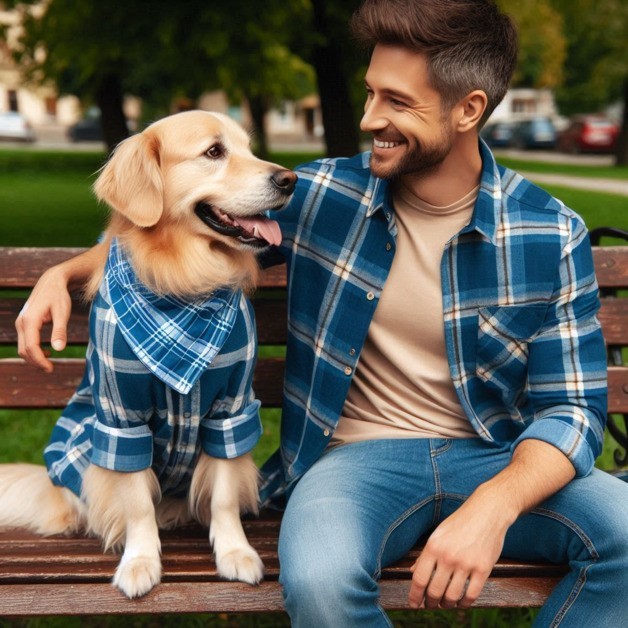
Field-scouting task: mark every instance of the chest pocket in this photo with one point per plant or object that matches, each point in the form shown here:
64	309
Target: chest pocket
502	345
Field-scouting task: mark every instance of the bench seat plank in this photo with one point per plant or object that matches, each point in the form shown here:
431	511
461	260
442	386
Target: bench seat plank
71	575
225	597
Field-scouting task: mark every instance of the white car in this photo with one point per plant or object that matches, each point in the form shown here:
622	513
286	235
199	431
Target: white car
13	126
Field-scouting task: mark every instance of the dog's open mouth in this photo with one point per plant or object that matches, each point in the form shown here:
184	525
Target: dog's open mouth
257	231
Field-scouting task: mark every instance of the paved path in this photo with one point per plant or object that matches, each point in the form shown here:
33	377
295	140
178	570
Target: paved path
611	186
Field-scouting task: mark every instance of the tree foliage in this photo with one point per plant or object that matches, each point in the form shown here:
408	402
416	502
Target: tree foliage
542	45
596	67
597	61
271	51
160	50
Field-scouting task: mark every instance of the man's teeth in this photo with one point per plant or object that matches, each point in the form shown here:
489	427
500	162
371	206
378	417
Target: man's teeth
380	144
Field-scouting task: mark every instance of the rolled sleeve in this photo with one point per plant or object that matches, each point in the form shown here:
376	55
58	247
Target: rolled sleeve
122	449
234	435
567	363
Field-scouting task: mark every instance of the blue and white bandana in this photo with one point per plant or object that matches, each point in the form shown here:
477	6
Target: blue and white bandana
175	339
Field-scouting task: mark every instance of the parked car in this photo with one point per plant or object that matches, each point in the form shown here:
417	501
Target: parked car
15	127
498	134
87	130
534	133
589	134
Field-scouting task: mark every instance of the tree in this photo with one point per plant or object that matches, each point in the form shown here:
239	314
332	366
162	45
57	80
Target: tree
596	67
101	51
542	45
257	63
334	61
63	43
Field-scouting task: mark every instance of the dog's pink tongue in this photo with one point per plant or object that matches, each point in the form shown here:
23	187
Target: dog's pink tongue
261	227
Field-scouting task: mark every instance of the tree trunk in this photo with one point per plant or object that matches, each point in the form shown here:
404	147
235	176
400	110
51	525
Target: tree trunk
259	108
109	98
621	153
341	131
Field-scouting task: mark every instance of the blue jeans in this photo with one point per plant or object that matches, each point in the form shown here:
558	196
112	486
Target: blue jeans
363	506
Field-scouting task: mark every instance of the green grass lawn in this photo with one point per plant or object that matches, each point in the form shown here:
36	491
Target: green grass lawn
45	200
574	170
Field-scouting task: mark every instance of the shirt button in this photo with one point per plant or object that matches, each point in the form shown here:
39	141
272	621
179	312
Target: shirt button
351	351
326	433
388	246
370	296
348	370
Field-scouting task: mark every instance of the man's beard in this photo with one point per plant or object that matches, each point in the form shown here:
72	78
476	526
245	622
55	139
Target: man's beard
420	161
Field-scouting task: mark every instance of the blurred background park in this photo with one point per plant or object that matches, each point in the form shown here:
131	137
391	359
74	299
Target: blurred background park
289	71
78	76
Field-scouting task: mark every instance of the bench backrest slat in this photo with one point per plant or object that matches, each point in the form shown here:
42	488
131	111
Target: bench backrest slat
21	267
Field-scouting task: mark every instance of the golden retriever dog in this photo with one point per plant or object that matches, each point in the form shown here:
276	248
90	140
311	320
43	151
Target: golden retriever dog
188	199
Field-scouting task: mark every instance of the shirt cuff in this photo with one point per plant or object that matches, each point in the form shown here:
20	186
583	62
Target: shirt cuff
122	449
232	436
564	437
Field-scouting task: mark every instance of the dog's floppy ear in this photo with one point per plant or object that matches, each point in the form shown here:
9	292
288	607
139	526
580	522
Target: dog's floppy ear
131	180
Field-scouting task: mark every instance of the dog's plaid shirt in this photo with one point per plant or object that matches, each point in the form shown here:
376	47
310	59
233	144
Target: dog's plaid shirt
524	346
125	418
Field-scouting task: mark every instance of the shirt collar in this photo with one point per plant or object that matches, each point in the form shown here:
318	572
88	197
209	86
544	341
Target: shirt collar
487	207
378	190
174	339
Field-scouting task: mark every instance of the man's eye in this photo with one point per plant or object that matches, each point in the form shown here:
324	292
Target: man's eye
216	151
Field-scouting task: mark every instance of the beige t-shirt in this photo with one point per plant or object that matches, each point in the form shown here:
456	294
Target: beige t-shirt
402	386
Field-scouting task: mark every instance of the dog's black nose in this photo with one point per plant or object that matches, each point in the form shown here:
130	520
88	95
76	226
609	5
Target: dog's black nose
284	180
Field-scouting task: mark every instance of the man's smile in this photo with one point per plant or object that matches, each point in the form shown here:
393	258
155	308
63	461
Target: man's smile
385	144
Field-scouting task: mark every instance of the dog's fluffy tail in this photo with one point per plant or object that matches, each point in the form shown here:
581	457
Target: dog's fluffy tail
28	499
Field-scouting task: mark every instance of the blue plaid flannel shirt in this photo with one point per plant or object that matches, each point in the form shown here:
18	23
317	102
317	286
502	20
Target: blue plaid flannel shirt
524	345
125	418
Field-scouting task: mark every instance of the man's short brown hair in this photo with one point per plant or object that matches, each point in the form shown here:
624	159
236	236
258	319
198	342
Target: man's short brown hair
468	44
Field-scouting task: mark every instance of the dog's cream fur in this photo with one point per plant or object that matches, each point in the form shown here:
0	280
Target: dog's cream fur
153	182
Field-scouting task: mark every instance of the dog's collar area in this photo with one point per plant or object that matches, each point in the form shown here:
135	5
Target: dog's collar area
226	225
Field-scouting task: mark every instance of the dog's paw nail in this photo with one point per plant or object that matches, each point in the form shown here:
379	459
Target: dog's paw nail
243	565
137	576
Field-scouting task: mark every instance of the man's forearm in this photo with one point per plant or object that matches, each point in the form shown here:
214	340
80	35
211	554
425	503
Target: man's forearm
77	270
537	471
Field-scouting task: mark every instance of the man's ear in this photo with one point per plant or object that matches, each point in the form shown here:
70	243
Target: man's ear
471	109
131	181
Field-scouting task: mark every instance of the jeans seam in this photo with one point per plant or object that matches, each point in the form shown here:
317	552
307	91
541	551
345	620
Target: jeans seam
577	588
437	483
586	541
392	527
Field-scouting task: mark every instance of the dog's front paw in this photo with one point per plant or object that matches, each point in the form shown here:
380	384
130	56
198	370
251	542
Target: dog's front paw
137	576
241	564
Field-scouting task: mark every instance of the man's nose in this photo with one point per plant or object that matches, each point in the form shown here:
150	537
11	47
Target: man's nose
372	120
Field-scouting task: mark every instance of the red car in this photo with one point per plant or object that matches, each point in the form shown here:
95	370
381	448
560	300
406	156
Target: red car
588	134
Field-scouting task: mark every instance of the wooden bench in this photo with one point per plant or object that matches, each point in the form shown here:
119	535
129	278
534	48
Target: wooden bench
72	575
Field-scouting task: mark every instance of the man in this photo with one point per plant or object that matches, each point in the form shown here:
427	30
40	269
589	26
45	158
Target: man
445	369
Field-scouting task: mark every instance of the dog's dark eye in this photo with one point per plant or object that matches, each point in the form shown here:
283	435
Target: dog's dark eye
216	151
